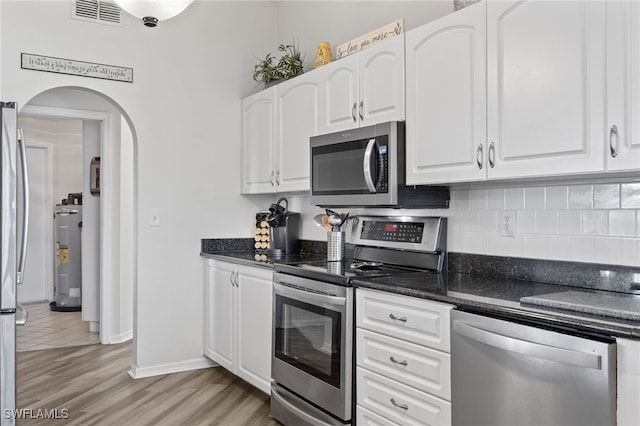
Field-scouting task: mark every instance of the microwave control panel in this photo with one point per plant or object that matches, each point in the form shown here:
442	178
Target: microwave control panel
401	232
383	167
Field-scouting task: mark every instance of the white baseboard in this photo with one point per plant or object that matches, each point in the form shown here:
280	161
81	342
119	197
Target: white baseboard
121	338
174	367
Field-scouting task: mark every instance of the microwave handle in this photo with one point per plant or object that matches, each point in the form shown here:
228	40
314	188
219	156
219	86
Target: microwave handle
366	165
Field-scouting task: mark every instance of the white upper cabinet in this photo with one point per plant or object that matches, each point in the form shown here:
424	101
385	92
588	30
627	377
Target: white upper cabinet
258	143
446	99
276	126
623	85
298	115
364	88
546	87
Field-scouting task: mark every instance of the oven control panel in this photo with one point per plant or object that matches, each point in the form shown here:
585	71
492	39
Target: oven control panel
404	232
415	233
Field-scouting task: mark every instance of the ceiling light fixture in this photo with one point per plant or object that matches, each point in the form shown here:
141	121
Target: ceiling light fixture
153	11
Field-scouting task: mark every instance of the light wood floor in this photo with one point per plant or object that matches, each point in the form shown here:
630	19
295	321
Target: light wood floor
93	384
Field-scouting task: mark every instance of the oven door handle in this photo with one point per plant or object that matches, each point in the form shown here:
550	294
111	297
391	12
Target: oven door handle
305	296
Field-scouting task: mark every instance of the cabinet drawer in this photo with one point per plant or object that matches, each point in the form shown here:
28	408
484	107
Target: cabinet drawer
416	320
365	417
425	369
400	403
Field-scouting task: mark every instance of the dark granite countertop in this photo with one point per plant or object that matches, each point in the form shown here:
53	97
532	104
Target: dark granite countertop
501	297
487	285
241	251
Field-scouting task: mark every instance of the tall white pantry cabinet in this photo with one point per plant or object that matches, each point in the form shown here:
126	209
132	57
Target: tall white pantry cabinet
556	102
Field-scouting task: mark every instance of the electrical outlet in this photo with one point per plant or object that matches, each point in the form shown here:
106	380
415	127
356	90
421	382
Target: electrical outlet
508	223
154	217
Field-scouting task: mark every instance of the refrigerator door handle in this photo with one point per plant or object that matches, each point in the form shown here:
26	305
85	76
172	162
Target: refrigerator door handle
25	210
22	315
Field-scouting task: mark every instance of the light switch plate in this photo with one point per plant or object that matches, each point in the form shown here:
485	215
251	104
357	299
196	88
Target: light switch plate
508	223
154	217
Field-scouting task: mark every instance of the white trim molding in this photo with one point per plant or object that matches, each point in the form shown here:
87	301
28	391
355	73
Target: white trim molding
172	367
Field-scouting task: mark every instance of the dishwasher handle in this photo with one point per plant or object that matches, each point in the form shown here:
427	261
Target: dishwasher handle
524	347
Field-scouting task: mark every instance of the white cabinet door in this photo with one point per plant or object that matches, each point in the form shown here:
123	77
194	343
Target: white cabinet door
364	88
545	72
382	82
340	94
298	118
623	85
258	143
254	326
446	99
219	339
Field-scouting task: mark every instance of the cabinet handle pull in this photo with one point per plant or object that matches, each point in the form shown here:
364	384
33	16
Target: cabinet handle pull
277	177
361	111
271	178
402	319
492	155
353	112
234	279
395	361
613	137
403	406
480	156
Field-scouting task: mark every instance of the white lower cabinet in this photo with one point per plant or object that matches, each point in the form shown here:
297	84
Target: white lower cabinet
403	372
237	320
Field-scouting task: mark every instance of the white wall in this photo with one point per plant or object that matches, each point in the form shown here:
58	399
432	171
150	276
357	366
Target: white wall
189	76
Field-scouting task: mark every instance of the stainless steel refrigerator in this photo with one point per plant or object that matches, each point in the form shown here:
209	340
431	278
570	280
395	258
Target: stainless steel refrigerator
12	253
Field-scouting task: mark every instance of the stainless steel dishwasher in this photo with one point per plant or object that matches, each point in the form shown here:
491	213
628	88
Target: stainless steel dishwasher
508	373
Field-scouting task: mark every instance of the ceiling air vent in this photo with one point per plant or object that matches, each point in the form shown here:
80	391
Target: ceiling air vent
100	11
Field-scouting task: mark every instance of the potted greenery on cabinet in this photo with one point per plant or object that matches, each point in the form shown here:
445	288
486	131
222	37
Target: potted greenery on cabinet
268	72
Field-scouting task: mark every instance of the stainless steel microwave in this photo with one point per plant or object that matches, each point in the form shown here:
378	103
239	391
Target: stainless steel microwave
366	167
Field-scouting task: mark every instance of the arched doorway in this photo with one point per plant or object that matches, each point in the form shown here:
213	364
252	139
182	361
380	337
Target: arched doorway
109	246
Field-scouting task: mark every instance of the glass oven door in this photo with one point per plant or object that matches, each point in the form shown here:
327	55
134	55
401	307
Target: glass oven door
312	341
308	338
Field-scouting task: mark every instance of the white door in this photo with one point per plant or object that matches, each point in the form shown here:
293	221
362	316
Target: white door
298	112
381	80
254	293
623	85
220	311
446	99
258	143
545	74
38	276
340	94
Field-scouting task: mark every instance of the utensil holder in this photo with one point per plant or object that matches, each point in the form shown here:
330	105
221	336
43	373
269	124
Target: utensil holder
335	246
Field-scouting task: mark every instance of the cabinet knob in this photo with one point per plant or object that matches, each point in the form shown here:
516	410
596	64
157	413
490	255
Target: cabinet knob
613	141
480	156
361	111
353	112
277	177
271	178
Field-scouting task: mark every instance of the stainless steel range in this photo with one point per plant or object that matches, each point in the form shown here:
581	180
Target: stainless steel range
313	305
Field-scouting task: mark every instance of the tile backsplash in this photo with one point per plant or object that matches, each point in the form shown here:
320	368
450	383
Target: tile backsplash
582	222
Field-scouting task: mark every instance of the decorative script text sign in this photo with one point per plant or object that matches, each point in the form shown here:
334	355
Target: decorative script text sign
389	30
79	68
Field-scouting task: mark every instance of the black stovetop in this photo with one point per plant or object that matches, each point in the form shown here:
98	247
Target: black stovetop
343	272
